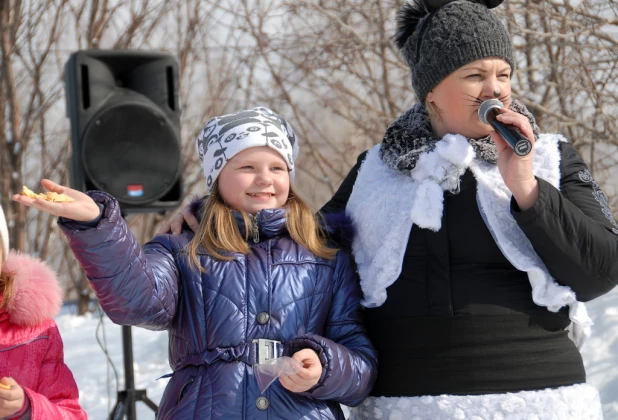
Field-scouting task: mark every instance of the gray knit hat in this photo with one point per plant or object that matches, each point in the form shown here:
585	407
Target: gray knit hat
437	37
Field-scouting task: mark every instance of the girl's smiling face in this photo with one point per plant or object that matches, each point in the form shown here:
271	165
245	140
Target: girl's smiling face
256	178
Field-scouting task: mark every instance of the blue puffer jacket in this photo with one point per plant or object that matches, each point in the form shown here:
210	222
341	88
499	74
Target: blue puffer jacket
279	291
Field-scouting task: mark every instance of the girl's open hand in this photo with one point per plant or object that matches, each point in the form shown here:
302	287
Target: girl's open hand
12	399
83	209
308	376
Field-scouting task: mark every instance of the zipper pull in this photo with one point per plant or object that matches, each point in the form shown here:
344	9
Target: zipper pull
256	231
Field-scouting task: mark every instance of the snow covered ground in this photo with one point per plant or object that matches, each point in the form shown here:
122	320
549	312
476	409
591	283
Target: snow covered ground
97	383
601	351
95	377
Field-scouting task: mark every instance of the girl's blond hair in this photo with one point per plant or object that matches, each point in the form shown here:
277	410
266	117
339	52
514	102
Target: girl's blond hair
6	288
218	231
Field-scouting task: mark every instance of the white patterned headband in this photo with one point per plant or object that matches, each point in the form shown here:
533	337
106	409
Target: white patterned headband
225	136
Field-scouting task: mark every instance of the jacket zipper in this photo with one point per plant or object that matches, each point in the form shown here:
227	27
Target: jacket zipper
254	227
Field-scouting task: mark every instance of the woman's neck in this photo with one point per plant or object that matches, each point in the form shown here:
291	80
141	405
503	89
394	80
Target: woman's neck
437	127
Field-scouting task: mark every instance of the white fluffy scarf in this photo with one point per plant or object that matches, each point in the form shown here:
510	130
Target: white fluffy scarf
385	203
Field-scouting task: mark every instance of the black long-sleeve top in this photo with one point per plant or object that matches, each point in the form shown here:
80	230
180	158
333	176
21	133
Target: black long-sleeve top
460	318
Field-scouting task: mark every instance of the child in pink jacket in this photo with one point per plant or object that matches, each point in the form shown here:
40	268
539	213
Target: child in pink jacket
35	383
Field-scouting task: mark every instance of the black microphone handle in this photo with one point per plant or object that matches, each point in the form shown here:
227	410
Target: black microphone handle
520	144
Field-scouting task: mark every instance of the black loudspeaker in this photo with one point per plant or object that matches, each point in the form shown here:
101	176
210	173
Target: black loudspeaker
125	127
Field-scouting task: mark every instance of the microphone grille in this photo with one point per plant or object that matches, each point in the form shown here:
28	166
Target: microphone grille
486	106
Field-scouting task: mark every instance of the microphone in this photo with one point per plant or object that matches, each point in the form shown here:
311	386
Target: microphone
513	137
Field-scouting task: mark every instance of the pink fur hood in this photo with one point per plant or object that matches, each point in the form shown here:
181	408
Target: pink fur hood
37	294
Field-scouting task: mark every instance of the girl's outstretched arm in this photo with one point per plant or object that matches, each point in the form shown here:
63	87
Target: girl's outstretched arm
135	286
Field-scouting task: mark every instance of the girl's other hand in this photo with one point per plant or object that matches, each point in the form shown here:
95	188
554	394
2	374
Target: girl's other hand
83	209
11	400
308	376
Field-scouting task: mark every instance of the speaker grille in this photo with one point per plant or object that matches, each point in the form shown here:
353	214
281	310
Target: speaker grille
132	152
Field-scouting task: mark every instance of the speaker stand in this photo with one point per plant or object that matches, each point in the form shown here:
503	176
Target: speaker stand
125	404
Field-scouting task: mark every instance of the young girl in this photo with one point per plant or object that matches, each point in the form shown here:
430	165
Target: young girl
256	281
34	381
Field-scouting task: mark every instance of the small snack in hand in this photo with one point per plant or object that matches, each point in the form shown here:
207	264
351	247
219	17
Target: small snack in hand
29	193
52	196
3	386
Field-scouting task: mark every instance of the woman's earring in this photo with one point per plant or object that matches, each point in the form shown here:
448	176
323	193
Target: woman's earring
497	93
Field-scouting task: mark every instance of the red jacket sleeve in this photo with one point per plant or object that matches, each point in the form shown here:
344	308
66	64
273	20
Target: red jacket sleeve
56	396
